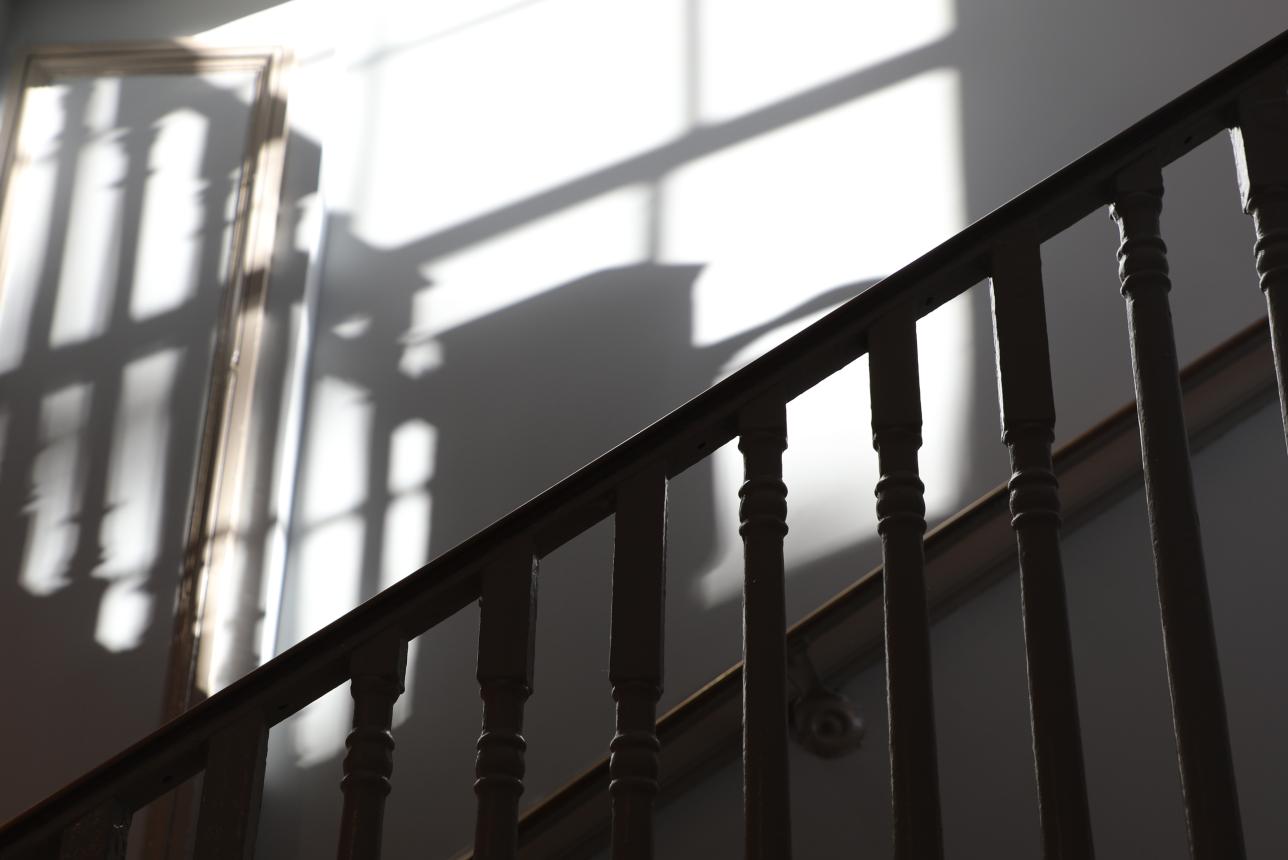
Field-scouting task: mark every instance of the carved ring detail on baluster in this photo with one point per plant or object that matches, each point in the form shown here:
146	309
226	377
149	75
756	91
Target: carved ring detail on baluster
900	494
1269	209
378	672
762	508
369	761
501	746
1142	253
1034	490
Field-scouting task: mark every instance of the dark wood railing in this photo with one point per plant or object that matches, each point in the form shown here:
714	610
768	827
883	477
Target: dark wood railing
225	736
964	556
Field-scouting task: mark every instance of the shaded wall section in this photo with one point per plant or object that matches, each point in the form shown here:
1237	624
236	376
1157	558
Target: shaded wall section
986	774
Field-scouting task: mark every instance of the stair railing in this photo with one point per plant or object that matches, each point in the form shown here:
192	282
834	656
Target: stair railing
225	737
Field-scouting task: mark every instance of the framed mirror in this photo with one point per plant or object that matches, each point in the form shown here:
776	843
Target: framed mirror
139	187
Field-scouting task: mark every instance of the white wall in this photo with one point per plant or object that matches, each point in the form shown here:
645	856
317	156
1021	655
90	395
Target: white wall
549	222
520	158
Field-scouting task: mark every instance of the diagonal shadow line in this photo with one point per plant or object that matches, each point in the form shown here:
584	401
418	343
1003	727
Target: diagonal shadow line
389	412
706	140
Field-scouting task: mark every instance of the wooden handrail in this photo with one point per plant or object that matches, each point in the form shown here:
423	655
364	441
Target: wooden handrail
319	663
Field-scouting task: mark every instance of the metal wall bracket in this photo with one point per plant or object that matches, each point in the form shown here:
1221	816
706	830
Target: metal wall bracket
823	721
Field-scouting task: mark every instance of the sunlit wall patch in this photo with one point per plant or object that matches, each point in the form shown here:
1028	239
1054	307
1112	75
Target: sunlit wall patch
842	198
412	452
325	566
334	465
176	215
89	263
845	196
32	192
516	108
749	55
323	586
138	494
56	479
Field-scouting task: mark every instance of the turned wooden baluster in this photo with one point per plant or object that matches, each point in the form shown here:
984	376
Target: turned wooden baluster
1028	428
1194	674
100	835
507	624
901	522
1261	155
378	671
231	790
635	659
763	517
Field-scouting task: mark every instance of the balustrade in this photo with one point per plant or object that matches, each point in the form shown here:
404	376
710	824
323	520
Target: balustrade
507	627
901	522
763	517
635	659
231	791
1261	154
378	672
1028	429
1194	673
100	835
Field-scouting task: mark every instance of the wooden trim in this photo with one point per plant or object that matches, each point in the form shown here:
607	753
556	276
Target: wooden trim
1028	430
216	517
179	57
964	555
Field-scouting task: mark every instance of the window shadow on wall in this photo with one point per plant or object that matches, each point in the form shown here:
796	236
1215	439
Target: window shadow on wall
516	404
509	403
111	316
502	407
516	400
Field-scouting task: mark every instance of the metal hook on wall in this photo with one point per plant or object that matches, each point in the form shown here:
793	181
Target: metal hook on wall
822	720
